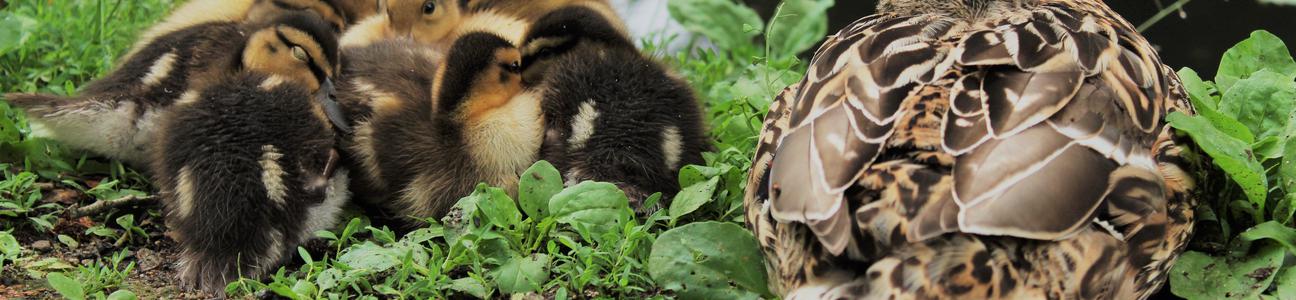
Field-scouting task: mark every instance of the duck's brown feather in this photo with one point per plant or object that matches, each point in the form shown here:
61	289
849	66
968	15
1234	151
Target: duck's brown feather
1019	153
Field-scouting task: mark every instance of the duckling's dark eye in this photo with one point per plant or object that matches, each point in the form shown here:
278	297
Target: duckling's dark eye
429	7
299	53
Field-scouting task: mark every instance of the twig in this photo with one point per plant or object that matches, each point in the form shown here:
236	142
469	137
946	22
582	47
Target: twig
43	186
1161	15
102	205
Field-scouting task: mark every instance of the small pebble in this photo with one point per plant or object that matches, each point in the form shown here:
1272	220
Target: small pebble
42	245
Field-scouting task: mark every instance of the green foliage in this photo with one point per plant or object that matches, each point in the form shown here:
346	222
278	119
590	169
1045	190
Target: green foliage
93	282
1246	124
709	260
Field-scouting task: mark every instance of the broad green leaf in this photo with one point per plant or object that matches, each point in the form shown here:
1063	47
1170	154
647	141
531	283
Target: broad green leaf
470	286
694	174
1262	102
799	25
1230	154
15	30
126	221
523	274
305	288
328	279
1200	276
1287	169
9	245
1285	283
284	291
709	260
1280	2
1268	148
1272	230
498	207
600	206
369	257
693	197
720	20
1200	93
69	288
122	295
537	185
1262	50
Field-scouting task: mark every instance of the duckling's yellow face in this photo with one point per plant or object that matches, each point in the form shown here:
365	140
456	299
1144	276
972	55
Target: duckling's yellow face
288	54
496	85
426	21
267	10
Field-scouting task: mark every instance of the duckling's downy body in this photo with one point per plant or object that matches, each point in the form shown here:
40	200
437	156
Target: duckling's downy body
247	162
427	132
116	116
611	113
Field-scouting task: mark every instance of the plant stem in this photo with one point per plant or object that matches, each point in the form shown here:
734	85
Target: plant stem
1161	15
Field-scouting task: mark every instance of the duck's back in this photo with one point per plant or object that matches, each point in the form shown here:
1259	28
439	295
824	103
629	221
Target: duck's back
975	149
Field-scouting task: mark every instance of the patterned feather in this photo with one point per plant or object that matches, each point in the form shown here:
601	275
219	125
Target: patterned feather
975	149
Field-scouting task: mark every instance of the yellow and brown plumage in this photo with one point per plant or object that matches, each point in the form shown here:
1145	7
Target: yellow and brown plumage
975	149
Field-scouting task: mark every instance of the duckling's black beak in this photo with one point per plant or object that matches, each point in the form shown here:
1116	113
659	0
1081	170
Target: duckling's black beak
331	107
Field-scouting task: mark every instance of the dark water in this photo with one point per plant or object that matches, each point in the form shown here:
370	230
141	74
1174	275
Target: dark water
1211	26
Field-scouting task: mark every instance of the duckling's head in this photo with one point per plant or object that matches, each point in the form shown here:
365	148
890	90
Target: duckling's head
297	48
482	72
331	11
564	29
358	10
426	21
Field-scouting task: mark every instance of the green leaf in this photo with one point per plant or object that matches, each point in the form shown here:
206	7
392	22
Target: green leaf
1268	148
1230	154
709	260
523	274
122	295
537	185
1262	102
1272	230
70	289
69	241
1280	2
720	20
126	221
1207	105
369	257
470	286
1200	276
1263	50
1285	283
597	205
1201	91
285	291
15	30
799	25
9	245
498	207
1287	169
693	197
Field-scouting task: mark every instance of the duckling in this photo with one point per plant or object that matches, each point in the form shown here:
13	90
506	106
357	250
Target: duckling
197	12
430	128
116	116
357	11
996	149
612	114
429	21
246	163
435	22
